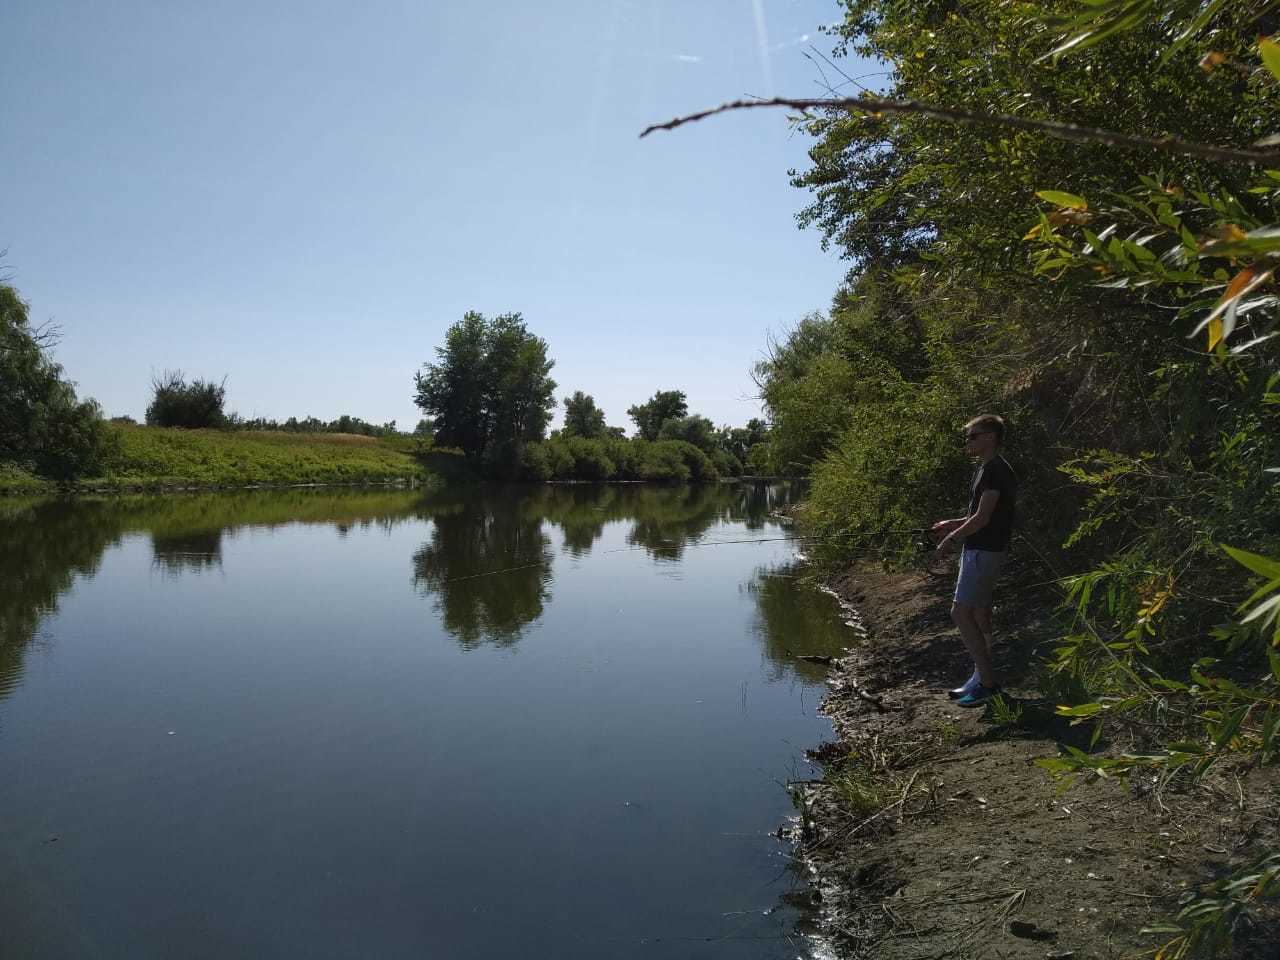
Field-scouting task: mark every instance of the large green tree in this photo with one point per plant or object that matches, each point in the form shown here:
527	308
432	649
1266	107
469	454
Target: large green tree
490	390
582	418
664	405
43	426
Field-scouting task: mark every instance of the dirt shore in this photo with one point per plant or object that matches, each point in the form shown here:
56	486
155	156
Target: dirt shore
934	834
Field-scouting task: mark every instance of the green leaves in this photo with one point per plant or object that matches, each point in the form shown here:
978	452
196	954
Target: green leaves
1263	566
1269	51
1267	612
1061	199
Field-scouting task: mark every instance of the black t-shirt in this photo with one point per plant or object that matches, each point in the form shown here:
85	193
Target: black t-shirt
995	474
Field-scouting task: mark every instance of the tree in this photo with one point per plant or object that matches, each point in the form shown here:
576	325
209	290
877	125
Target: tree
694	429
738	441
43	427
194	405
490	391
662	406
582	418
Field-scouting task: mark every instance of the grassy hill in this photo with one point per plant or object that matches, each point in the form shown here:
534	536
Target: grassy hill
156	458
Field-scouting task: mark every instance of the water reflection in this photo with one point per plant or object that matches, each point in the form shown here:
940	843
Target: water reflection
634	757
793	623
45	545
489	568
195	551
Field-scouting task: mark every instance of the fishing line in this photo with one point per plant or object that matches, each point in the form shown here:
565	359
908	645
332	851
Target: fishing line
704	543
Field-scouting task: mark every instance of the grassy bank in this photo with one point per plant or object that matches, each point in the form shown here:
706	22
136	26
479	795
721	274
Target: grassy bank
14	479
155	458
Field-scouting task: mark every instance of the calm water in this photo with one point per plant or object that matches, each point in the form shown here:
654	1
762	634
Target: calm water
300	724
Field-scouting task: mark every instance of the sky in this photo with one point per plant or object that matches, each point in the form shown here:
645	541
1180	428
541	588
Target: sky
302	197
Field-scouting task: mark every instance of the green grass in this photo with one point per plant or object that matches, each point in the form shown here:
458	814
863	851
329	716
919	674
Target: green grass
15	480
157	457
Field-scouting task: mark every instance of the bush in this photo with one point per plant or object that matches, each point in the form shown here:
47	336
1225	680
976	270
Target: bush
727	465
663	463
590	461
698	463
194	405
626	457
535	463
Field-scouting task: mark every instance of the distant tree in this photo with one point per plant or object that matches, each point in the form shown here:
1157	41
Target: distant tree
662	406
582	418
694	429
738	441
425	428
194	405
491	390
43	426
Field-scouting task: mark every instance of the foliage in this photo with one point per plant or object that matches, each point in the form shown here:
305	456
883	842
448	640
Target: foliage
694	429
575	458
490	391
582	418
177	403
343	424
1058	283
738	442
664	405
44	428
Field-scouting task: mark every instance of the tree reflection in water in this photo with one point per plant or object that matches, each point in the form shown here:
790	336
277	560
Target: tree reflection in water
489	562
193	551
489	567
45	545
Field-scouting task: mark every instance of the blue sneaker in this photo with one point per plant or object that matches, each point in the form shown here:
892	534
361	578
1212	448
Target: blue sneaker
978	696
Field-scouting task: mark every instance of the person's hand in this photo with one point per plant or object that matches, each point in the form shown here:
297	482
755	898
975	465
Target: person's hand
945	544
943	527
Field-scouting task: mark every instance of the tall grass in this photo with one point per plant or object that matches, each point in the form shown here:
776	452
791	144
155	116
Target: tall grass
152	457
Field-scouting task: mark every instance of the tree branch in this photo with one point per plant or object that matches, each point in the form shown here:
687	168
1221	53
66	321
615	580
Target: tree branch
1071	132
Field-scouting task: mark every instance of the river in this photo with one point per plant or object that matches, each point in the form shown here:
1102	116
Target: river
489	723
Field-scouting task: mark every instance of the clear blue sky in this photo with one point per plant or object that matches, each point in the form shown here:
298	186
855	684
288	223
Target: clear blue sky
303	196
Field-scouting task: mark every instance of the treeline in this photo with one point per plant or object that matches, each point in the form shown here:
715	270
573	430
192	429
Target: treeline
490	395
1118	305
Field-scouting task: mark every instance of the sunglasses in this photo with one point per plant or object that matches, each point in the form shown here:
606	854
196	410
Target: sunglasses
975	435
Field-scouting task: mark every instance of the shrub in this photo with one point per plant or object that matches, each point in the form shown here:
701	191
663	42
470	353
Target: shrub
663	463
727	465
590	461
535	463
194	405
698	463
560	460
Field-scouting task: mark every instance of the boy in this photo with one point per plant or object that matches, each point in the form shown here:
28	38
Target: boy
985	532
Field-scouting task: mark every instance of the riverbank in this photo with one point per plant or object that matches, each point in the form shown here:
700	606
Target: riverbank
156	458
933	832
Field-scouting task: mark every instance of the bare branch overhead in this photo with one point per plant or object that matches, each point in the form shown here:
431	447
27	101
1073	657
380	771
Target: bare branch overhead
1072	132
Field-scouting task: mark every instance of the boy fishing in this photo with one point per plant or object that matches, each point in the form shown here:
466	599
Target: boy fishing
985	532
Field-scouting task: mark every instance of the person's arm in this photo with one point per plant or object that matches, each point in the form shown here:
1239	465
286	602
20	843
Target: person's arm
943	527
986	507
